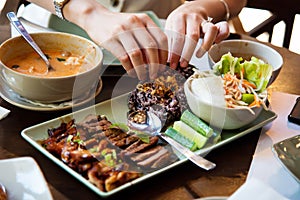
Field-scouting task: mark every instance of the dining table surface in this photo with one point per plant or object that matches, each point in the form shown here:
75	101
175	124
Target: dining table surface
185	181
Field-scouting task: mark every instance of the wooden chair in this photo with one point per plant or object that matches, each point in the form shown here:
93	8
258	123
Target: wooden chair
280	11
10	5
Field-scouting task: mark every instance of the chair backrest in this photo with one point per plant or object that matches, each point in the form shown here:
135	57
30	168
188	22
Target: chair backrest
281	11
10	5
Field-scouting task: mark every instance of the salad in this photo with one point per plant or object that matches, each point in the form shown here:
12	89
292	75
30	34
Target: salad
244	81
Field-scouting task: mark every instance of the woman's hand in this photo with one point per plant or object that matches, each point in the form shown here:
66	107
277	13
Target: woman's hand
184	26
139	44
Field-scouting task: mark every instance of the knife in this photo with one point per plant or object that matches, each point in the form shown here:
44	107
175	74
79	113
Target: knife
198	160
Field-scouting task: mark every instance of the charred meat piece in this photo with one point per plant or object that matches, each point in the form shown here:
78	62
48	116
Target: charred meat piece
94	124
104	154
54	132
78	159
107	178
163	160
148	162
144	155
139	146
117	178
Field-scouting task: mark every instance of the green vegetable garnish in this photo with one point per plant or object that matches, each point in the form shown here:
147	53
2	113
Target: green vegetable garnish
144	137
69	138
122	126
61	59
228	63
258	72
248	98
15	66
79	141
255	71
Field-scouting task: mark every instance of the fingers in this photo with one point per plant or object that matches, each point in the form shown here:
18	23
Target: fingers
157	49
223	32
175	30
117	49
147	55
140	45
191	39
210	32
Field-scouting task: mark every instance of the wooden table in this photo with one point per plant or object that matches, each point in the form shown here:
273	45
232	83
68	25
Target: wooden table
186	181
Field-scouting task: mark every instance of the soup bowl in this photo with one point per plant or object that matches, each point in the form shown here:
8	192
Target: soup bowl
246	49
47	89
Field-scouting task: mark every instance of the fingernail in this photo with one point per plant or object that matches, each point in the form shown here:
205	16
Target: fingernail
183	64
152	75
201	51
162	68
132	73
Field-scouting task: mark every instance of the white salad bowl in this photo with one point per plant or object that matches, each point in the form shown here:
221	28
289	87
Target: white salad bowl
208	105
246	49
51	89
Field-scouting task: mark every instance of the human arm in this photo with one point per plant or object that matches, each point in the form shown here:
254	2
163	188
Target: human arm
186	24
133	38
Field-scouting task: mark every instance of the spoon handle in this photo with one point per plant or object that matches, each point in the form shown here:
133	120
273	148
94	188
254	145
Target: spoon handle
198	160
21	29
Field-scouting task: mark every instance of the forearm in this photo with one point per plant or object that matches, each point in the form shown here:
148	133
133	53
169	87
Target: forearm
217	10
76	11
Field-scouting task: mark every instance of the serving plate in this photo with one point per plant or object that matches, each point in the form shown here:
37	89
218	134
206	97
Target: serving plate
13	98
15	175
116	109
288	153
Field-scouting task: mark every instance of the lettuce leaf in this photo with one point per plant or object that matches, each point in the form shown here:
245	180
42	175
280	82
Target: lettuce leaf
228	63
255	71
258	72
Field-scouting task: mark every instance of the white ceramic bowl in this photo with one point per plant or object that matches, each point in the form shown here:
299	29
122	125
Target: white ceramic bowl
215	114
52	89
247	48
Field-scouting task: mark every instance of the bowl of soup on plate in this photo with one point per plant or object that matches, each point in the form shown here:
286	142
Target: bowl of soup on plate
77	63
247	49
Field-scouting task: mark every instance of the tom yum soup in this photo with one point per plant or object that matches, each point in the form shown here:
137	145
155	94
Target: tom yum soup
64	63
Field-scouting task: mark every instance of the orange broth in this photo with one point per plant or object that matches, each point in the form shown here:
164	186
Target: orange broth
64	64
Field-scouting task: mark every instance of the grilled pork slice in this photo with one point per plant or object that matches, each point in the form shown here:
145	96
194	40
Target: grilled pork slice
144	155
125	142
94	124
140	146
149	161
163	160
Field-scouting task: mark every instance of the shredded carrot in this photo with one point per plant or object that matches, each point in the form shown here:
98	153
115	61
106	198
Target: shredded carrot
249	83
235	87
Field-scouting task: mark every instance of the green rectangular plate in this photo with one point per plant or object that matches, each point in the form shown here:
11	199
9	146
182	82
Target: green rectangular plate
115	109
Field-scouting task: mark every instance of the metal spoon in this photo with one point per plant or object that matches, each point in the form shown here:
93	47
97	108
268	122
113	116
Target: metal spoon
21	29
3	193
151	124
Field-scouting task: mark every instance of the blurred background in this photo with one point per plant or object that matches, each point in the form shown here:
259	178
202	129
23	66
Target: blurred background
252	17
265	16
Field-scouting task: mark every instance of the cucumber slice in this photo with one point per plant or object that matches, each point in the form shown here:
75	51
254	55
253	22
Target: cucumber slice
172	133
247	98
190	133
196	123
